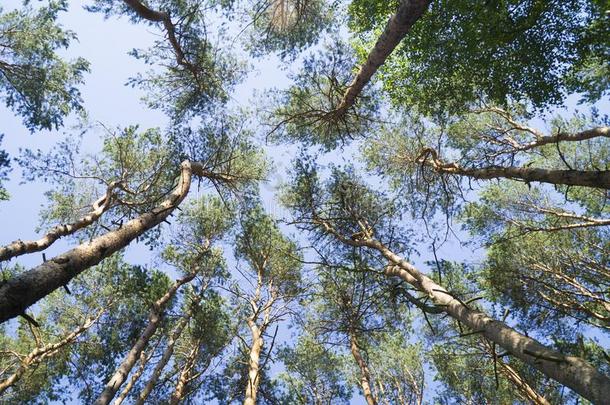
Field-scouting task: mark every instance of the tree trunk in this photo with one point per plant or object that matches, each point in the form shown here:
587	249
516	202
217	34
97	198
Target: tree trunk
184	376
582	178
253	364
134	378
27	288
155	316
365	375
167	354
43	352
409	11
571	371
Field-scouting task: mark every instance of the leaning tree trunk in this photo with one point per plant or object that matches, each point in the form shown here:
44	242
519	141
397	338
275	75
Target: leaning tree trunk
582	178
570	371
365	375
409	11
526	390
155	316
254	364
25	289
134	378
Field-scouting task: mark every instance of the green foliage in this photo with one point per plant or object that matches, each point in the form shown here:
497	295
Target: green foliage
288	26
269	253
188	86
313	374
545	275
35	81
5	167
308	112
460	52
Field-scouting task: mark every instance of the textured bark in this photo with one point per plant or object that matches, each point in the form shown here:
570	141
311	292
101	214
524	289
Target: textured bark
526	390
40	353
570	371
132	381
25	289
409	11
20	247
130	360
253	364
365	375
184	376
167	354
583	178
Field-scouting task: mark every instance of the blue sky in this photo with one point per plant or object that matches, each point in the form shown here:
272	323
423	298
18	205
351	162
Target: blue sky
105	43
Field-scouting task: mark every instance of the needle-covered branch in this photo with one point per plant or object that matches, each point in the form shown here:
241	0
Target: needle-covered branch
48	350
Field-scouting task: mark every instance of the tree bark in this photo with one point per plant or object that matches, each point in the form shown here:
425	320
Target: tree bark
43	352
582	178
134	378
19	247
365	375
124	369
253	364
409	11
570	371
25	289
184	376
167	354
528	392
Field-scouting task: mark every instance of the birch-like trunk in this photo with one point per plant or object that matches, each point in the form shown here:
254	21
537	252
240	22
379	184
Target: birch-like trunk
27	288
124	369
365	375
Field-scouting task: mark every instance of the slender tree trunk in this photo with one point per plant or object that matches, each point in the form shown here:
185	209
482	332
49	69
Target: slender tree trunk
40	353
27	288
254	364
365	375
184	376
570	371
167	354
409	11
155	316
134	378
20	247
528	392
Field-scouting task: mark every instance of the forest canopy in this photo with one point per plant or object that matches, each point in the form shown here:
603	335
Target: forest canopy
337	202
